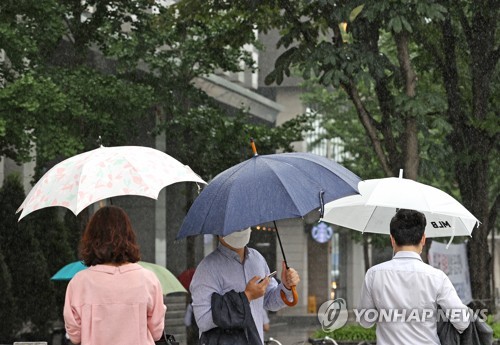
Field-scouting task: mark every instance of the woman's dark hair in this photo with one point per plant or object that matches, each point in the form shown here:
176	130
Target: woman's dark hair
109	238
408	227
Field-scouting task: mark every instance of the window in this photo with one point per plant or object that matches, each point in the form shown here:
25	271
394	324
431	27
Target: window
318	142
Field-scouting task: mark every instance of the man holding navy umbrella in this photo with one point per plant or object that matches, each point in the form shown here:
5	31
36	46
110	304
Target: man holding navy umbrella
231	287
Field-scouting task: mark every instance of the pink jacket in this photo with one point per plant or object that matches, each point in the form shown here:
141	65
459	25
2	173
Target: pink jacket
114	305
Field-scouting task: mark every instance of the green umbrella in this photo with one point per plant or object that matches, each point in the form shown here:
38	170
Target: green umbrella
169	283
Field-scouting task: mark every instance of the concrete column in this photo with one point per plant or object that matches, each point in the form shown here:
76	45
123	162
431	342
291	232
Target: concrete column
356	264
351	269
161	214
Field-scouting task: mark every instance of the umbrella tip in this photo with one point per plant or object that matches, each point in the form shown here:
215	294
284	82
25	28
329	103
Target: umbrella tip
254	149
400	173
99	142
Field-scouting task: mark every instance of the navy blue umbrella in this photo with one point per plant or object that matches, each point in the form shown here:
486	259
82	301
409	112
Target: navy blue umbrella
266	188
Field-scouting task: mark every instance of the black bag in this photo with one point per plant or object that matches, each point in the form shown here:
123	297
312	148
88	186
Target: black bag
167	339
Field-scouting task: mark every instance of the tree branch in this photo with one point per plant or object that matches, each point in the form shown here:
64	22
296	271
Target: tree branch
368	35
368	123
469	36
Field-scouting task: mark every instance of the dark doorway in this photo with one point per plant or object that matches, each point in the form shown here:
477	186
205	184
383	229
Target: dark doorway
264	240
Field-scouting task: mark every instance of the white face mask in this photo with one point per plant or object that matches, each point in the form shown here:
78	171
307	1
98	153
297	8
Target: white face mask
238	239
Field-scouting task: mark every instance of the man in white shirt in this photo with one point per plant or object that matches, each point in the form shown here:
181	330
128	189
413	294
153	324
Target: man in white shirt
402	295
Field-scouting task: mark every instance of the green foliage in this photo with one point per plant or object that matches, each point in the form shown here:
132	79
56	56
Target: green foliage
66	111
27	265
210	141
61	97
349	332
56	246
67	100
495	326
29	30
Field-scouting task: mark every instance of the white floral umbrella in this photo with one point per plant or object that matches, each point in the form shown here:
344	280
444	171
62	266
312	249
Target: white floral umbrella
372	210
106	172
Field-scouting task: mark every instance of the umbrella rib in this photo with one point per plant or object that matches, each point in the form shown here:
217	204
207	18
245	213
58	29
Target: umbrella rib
78	210
237	168
137	171
369	219
342	174
79	185
287	190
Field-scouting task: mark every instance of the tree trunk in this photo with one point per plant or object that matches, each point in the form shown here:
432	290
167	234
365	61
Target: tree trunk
471	146
412	158
476	201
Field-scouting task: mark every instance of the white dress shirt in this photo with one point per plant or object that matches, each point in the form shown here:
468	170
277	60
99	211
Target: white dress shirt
403	295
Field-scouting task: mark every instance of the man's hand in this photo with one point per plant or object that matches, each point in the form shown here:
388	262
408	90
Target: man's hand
254	289
289	277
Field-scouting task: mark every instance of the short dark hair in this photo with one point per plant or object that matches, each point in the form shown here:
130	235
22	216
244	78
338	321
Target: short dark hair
109	238
408	227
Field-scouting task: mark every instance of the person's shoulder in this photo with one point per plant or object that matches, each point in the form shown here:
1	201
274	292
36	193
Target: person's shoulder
77	278
80	280
210	258
433	270
380	267
82	275
206	264
148	273
255	253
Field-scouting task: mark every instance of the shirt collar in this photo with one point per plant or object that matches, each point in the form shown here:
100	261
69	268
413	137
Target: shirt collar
407	255
229	253
115	269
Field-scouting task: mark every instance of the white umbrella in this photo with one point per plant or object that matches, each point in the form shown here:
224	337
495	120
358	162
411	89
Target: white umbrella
372	210
84	179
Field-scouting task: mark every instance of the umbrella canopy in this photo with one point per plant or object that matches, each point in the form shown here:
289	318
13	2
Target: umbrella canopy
266	188
169	283
69	271
373	209
81	180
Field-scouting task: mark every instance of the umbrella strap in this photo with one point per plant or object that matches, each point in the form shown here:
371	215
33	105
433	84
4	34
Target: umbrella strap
452	233
322	204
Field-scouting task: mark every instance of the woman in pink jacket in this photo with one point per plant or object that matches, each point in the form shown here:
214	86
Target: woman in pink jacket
115	300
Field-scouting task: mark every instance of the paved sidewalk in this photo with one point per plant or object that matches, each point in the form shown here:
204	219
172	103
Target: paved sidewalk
292	326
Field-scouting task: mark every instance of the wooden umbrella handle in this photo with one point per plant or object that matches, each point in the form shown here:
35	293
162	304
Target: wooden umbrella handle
295	297
254	149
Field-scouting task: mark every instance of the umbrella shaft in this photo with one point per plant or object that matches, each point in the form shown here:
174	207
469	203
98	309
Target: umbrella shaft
281	245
